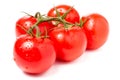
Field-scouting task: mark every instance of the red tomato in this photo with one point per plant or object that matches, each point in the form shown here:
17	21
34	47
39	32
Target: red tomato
72	16
69	43
26	22
96	28
34	55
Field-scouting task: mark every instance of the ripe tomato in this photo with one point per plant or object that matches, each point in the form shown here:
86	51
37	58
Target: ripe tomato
34	55
69	43
72	16
96	28
26	22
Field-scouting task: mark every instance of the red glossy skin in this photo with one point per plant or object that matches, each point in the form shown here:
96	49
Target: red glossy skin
28	21
34	55
73	16
69	43
96	28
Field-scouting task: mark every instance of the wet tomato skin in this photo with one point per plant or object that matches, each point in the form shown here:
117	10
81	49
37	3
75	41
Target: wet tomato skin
73	16
34	55
69	43
96	28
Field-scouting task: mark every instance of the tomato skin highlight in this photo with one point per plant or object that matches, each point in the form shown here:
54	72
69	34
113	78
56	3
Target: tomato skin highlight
96	28
69	43
34	55
73	16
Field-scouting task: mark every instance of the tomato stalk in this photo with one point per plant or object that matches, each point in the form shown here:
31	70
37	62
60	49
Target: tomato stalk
38	15
46	19
46	33
42	18
38	33
81	22
27	13
58	19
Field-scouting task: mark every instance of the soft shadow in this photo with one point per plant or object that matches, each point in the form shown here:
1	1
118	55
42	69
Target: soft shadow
51	71
94	50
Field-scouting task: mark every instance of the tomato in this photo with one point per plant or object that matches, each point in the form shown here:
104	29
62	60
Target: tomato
96	28
69	43
34	55
73	16
25	23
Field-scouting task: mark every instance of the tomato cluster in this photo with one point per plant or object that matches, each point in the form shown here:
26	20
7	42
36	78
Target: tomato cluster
61	35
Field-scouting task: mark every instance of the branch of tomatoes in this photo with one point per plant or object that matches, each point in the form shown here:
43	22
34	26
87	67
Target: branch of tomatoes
61	35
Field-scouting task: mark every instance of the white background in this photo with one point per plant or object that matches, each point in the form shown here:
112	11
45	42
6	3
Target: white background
101	64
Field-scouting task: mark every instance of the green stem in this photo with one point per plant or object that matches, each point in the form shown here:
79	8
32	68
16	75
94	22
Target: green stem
40	20
57	12
38	15
82	22
46	33
65	14
38	33
31	28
